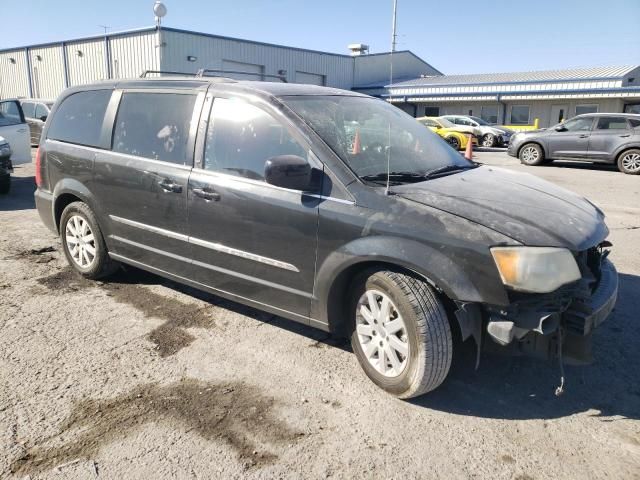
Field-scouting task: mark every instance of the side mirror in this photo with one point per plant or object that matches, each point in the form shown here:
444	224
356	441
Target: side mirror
288	171
560	128
43	118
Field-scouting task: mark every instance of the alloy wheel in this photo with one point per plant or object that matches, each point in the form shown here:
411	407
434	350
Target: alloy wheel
382	333
488	140
453	141
631	162
80	241
530	154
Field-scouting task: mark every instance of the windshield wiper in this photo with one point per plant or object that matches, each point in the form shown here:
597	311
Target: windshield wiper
395	177
447	169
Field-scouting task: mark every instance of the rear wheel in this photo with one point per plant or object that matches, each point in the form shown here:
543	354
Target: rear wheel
83	243
453	141
629	162
401	337
489	140
531	154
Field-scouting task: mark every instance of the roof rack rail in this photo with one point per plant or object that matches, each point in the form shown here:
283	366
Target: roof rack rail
203	72
166	72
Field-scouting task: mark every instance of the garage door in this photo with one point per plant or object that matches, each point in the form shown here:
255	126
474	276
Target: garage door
250	68
309	78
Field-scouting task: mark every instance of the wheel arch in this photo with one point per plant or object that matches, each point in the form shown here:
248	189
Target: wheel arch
623	149
68	191
535	142
341	268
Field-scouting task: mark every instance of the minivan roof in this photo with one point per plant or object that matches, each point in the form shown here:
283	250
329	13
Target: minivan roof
276	89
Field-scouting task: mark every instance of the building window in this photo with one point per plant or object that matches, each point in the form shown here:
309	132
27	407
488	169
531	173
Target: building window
520	115
632	108
582	109
431	111
489	113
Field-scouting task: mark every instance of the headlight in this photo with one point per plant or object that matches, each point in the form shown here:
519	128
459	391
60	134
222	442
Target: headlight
535	269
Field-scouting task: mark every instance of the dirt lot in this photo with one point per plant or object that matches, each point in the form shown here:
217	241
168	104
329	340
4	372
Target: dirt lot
141	378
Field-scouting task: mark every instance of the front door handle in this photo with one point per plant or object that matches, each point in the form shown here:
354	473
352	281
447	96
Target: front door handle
583	136
206	193
625	136
168	186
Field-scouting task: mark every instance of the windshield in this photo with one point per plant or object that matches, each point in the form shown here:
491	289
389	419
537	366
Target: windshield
446	123
370	135
479	121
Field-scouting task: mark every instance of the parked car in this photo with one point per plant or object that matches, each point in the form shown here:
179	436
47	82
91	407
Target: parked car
14	146
447	130
490	135
5	166
599	137
36	112
252	191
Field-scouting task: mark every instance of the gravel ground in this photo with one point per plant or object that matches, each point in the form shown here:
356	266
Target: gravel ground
139	377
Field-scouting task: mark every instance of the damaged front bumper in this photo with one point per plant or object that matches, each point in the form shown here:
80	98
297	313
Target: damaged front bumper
536	326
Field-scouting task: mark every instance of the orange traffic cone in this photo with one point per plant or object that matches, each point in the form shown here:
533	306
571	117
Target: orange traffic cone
356	143
468	153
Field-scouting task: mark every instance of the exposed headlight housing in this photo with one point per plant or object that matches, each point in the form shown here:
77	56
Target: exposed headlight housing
535	269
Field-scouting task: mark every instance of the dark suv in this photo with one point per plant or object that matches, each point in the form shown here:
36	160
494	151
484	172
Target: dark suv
326	207
601	138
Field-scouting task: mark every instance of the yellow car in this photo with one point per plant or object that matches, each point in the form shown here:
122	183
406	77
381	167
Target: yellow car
448	131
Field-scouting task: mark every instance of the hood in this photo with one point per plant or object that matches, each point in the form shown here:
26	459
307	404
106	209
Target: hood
519	205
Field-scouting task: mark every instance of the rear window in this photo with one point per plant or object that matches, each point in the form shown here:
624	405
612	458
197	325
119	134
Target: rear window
154	125
79	118
611	123
10	113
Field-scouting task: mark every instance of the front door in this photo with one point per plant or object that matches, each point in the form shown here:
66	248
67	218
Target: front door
15	130
572	141
558	114
608	134
141	184
248	238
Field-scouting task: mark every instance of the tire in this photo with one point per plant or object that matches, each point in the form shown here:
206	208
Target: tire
531	154
453	141
489	140
425	334
629	162
5	184
74	233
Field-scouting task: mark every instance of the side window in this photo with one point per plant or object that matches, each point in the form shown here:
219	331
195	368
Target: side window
241	137
154	125
427	122
29	109
79	118
611	123
41	111
10	113
634	123
579	124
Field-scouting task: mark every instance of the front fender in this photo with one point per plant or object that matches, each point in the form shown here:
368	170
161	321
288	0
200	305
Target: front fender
469	276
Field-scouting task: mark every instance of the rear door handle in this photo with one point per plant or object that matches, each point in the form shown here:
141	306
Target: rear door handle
625	136
583	136
206	193
169	186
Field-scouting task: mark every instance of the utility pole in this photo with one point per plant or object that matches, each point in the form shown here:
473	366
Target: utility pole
393	31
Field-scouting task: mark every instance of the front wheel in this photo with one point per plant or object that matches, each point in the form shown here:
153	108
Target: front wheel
489	140
629	162
453	141
83	243
531	154
402	338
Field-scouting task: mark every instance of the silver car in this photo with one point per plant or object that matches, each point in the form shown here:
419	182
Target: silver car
488	135
601	138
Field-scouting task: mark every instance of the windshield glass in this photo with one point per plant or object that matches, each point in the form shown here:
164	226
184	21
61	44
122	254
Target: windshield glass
446	123
366	133
479	121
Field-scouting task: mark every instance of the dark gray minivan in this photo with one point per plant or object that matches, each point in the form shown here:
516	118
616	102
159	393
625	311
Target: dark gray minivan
326	207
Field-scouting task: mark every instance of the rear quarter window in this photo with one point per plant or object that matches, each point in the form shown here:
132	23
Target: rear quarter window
79	118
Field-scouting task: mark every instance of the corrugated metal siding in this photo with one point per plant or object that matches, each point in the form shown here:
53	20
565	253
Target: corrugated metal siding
90	65
13	76
133	54
47	74
376	69
211	51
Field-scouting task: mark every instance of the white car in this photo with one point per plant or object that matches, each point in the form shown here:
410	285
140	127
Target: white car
15	141
489	135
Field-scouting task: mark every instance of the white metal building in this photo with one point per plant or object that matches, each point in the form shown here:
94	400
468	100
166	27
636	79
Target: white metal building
44	70
519	98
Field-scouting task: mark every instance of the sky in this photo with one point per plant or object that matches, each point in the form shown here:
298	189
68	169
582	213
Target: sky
464	36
